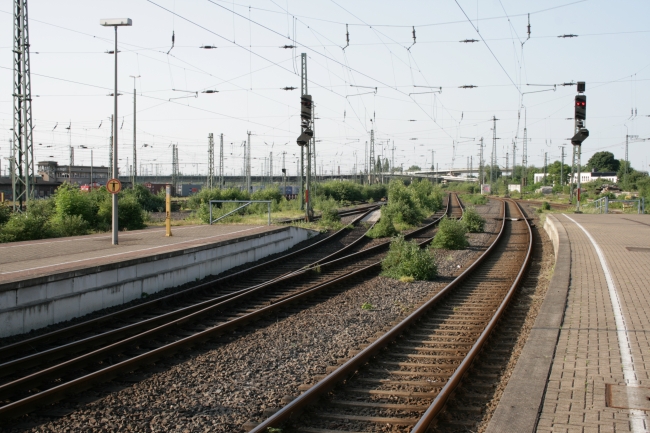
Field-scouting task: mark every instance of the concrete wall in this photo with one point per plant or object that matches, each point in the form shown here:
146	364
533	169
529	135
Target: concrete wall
43	301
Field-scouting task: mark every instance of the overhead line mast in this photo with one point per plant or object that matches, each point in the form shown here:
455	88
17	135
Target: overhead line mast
23	147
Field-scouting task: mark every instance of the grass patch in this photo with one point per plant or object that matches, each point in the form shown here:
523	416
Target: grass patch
367	306
407	259
451	235
406	279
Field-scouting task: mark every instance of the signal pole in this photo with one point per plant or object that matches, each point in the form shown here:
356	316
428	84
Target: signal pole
248	163
221	162
372	156
210	179
581	133
493	163
562	168
134	172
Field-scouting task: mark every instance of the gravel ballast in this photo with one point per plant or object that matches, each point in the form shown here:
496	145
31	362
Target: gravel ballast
246	375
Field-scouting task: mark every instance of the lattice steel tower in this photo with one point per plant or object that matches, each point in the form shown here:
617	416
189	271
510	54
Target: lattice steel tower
210	161
23	151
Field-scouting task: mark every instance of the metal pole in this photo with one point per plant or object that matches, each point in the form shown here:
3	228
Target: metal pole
578	201
115	223
91	169
168	210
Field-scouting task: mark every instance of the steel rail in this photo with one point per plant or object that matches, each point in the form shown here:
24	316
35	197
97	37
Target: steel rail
157	324
7	350
28	403
441	399
349	367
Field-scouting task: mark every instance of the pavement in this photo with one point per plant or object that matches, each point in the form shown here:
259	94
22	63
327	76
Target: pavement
31	259
585	365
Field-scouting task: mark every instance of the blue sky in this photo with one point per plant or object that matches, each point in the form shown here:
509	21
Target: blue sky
71	74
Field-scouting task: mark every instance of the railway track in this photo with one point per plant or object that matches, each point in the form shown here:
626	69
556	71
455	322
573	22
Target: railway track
402	380
50	374
342	213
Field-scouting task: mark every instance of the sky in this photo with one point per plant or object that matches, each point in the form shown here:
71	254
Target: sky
409	91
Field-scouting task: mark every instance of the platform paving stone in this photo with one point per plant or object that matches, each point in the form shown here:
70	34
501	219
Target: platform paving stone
587	356
19	260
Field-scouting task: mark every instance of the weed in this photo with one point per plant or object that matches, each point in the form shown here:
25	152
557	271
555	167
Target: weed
273	430
367	306
316	269
406	259
451	235
406	279
473	221
546	206
384	228
144	295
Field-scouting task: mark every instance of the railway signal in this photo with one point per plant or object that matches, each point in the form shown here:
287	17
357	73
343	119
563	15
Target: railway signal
580	107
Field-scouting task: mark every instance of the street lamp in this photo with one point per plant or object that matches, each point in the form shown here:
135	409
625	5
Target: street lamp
115	22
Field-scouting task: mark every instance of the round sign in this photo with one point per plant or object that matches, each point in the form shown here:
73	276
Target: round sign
114	186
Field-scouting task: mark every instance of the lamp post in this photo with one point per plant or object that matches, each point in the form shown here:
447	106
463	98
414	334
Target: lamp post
115	22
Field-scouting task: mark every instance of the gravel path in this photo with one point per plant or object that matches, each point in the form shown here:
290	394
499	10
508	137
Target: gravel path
244	375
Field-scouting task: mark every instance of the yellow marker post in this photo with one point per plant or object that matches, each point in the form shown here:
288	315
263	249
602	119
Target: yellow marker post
168	208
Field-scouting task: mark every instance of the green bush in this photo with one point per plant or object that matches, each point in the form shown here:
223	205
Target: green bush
341	191
329	212
473	221
148	201
403	204
546	206
374	192
450	235
25	227
5	214
384	227
130	214
69	225
406	259
69	200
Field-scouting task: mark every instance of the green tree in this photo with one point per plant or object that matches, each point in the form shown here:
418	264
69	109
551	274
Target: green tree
557	174
414	168
603	161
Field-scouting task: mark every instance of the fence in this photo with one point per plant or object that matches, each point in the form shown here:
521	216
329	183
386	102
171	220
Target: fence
246	203
602	204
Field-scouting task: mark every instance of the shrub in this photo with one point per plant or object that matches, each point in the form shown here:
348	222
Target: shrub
130	214
384	227
406	259
148	201
546	206
374	192
403	206
329	213
451	235
473	221
25	227
341	191
69	225
5	214
69	200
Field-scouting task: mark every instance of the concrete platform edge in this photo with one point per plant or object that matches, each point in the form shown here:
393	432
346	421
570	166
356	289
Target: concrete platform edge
47	303
519	408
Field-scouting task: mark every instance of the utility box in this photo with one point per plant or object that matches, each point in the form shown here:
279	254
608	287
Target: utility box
486	188
514	187
187	189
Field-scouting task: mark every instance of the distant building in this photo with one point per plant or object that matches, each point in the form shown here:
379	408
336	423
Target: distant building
53	173
584	177
609	176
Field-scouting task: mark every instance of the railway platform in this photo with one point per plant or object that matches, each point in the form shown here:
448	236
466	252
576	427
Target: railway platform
584	367
48	281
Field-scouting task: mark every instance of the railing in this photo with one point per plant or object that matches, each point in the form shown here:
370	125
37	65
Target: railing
246	203
602	204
